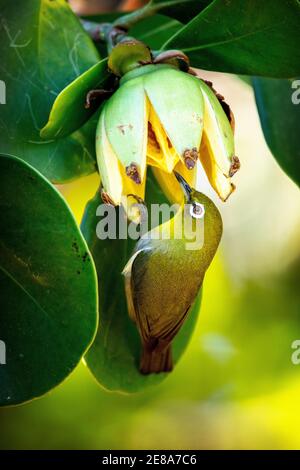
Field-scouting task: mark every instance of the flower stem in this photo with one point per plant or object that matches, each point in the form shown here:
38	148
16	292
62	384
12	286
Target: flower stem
112	33
104	32
97	31
151	8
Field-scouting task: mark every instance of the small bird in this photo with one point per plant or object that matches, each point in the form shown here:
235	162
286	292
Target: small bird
163	276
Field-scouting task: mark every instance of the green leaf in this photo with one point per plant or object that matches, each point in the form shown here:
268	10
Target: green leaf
103	17
248	37
278	103
182	10
114	356
42	48
68	112
155	31
48	285
63	160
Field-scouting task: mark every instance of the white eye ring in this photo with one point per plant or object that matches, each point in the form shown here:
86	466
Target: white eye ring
197	210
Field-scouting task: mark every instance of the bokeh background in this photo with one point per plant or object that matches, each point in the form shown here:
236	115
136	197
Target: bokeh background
235	387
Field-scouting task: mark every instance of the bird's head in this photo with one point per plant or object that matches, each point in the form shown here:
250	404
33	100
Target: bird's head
200	208
191	197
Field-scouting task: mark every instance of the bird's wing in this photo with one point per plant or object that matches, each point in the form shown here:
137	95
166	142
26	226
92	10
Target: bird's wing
156	329
127	273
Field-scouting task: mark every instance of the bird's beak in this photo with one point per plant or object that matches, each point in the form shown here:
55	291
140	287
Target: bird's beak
184	185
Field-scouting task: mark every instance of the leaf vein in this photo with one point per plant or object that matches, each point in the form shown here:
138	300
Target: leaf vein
8	274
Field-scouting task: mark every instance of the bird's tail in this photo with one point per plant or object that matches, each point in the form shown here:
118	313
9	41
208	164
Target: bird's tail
156	361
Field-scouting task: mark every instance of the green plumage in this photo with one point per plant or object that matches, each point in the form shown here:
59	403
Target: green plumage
163	277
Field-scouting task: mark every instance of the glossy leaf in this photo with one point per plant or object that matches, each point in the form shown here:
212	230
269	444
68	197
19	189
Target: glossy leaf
155	31
278	103
69	112
48	285
244	37
43	48
114	356
103	17
63	160
182	10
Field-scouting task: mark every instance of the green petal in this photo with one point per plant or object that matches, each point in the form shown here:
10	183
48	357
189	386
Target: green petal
217	130
115	182
178	102
126	118
128	55
108	163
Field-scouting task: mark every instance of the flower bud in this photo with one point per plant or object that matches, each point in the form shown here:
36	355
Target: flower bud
168	119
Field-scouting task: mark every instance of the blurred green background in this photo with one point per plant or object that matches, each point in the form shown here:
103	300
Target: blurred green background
235	387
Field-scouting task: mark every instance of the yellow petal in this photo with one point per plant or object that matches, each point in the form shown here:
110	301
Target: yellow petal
220	183
160	152
126	119
217	132
118	186
108	164
177	99
133	198
169	183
